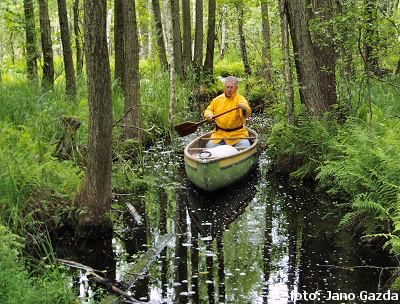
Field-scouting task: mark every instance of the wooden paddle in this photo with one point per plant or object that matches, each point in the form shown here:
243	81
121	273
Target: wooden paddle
189	127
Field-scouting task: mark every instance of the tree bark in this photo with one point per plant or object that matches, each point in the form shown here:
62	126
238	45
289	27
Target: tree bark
172	94
47	46
187	34
132	84
242	39
67	51
344	45
308	70
109	21
96	194
176	36
398	68
77	32
119	44
287	67
30	32
266	33
162	53
224	32
209	61
324	48
2	46
371	37
198	37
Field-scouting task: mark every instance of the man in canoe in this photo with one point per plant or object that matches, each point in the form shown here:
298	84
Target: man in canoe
229	128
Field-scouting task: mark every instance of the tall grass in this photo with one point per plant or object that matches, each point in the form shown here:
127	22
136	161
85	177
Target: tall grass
18	286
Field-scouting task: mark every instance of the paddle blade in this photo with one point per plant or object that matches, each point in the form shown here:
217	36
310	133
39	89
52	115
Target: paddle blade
186	128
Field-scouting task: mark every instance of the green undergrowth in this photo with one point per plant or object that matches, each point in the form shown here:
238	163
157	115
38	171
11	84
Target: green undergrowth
355	160
18	285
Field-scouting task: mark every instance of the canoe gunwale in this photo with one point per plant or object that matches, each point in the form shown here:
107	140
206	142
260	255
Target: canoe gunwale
217	159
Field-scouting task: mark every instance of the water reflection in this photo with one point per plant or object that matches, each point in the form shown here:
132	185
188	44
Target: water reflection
262	241
210	215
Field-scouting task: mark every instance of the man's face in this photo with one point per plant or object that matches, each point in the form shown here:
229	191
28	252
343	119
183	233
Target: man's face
230	89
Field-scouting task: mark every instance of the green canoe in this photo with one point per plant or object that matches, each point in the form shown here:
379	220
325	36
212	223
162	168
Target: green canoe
211	173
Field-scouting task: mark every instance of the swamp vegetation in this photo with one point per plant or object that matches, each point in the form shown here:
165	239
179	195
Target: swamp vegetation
89	93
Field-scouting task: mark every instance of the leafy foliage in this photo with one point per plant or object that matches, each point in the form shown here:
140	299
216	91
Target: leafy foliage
18	286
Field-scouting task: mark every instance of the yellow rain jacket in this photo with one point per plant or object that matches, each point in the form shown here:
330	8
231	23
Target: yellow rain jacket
230	124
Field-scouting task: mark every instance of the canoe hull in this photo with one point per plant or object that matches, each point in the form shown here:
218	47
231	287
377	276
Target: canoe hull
220	173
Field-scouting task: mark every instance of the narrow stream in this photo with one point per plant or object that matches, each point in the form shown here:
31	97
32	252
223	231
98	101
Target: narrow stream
261	241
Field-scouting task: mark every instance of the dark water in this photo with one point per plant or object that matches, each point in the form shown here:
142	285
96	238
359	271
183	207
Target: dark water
262	241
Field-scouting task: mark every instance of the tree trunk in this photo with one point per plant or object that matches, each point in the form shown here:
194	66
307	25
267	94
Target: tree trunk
12	49
162	53
30	31
344	45
67	51
243	48
187	36
109	22
132	84
287	67
176	36
324	49
143	33
224	32
198	37
172	80
77	32
266	33
119	44
398	68
47	46
371	39
2	46
308	70
96	194
209	62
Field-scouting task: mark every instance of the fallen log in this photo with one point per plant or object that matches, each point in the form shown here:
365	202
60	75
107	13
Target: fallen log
134	213
90	274
145	261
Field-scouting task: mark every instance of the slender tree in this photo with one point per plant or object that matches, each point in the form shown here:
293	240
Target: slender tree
187	34
109	21
344	44
198	37
242	39
119	44
287	66
224	32
209	61
132	84
162	54
266	34
96	193
2	46
47	46
176	36
67	51
30	34
398	68
371	37
77	32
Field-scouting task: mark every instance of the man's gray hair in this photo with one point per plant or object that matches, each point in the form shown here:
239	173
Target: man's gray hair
232	79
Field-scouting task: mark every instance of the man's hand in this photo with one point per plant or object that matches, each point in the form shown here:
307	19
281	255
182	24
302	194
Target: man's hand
242	106
210	117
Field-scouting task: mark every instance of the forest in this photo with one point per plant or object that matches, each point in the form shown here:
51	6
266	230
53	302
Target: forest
90	92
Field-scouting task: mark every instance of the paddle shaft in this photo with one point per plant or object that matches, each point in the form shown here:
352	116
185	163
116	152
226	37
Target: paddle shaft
205	120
